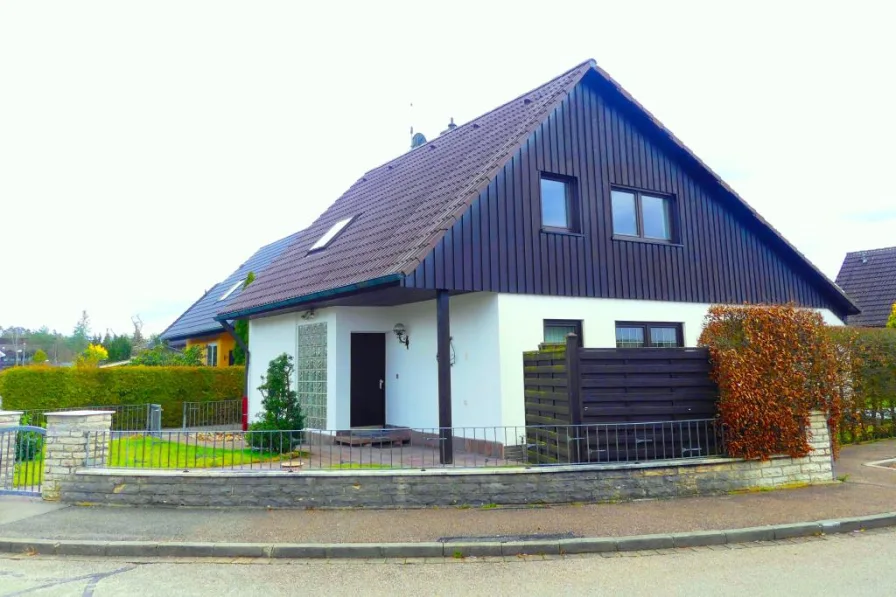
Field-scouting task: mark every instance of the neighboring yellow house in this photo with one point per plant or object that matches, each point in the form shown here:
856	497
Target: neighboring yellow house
197	325
218	349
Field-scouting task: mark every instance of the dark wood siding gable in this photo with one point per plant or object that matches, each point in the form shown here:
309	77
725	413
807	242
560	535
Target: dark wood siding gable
498	245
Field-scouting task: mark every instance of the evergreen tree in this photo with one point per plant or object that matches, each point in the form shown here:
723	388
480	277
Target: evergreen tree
281	421
80	337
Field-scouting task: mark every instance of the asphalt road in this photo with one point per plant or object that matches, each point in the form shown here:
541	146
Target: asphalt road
857	564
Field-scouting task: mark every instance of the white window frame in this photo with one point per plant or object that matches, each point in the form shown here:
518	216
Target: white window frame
208	351
324	241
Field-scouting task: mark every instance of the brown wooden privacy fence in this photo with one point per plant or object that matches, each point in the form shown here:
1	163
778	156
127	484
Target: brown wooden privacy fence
620	404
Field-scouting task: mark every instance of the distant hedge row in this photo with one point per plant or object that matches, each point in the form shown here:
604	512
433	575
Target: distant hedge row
868	360
25	388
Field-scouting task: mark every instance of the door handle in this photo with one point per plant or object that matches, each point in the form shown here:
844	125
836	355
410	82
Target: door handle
381	384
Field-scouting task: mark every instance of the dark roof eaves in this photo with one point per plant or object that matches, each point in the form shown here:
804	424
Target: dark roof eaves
197	333
307	298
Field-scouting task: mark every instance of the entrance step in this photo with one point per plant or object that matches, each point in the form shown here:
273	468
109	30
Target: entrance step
367	437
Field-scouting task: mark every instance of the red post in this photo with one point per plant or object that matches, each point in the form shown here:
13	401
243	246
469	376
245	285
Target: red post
245	413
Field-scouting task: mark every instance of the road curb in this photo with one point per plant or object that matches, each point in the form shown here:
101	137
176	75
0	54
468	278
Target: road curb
149	549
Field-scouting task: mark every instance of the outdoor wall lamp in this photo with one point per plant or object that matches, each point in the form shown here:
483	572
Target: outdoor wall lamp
401	333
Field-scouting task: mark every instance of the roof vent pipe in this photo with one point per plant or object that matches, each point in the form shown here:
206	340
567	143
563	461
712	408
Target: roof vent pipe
451	127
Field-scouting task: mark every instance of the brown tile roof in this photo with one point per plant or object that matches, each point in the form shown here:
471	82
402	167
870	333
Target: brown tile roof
869	278
403	207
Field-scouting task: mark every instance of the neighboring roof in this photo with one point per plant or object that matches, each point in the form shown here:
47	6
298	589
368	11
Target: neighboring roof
402	208
869	278
200	317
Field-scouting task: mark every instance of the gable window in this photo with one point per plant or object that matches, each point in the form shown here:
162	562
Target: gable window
211	355
232	289
331	234
559	204
645	215
556	330
648	335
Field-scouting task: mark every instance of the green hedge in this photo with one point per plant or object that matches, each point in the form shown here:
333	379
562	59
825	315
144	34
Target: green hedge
868	360
24	388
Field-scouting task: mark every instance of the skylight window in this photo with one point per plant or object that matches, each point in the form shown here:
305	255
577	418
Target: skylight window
327	238
232	289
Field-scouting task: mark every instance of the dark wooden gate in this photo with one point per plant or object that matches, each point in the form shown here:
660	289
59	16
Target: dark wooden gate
619	404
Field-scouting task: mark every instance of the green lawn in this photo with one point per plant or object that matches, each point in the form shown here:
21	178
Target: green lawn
361	465
139	451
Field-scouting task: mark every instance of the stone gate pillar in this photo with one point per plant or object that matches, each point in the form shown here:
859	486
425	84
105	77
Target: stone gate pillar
820	461
74	439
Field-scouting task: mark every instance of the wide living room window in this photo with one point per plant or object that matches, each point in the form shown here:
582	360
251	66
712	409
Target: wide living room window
648	335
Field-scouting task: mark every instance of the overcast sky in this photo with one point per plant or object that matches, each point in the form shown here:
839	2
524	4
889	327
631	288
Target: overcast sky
148	148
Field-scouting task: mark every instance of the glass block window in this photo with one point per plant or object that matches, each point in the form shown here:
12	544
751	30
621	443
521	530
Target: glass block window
311	369
556	330
648	335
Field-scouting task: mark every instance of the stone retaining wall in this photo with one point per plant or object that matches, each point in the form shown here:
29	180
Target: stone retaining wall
446	487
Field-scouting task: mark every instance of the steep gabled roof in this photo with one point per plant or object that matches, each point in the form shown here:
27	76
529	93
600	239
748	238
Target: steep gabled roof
869	278
401	209
200	317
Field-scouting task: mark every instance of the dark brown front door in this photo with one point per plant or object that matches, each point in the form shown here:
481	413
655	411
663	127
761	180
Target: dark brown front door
368	380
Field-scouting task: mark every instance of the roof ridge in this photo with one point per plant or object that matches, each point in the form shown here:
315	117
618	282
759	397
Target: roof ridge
459	127
877	250
500	157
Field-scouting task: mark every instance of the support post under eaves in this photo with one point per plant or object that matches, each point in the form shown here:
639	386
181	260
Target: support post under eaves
443	343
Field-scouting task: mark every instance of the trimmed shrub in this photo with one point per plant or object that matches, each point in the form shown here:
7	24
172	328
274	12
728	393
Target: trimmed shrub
773	365
25	388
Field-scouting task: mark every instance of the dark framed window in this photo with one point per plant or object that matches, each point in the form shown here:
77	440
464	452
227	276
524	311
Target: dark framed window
559	204
636	334
643	215
556	330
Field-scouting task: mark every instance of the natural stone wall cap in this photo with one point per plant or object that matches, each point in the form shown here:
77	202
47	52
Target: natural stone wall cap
80	413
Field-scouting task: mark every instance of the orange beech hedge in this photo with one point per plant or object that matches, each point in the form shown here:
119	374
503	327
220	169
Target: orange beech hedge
773	365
